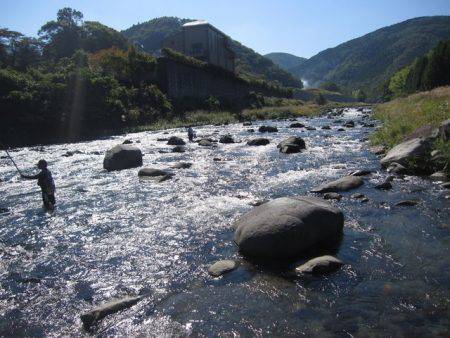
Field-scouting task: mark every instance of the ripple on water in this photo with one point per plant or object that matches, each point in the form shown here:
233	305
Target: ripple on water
114	234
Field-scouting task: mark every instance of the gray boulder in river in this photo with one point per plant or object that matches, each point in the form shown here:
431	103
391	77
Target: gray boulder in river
284	227
226	139
291	145
122	156
221	267
100	312
319	265
343	184
258	142
175	141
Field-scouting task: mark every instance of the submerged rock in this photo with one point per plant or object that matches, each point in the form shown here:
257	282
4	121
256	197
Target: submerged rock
122	156
151	172
178	149
343	184
127	142
361	173
205	143
407	203
297	125
287	226
349	124
319	265
246	124
386	185
155	174
332	196
267	129
3	210
326	127
258	142
221	267
175	141
182	165
100	312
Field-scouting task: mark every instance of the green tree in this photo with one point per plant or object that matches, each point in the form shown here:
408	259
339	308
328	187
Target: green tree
62	37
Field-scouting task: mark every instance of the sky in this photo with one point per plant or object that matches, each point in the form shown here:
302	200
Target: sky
299	27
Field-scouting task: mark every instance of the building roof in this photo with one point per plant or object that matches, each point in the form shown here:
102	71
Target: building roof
196	23
203	23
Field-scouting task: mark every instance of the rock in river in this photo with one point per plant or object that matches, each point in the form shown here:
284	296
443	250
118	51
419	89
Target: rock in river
226	139
291	145
221	267
343	184
122	156
319	265
297	125
332	196
175	141
286	226
178	149
100	312
182	165
258	142
159	175
267	129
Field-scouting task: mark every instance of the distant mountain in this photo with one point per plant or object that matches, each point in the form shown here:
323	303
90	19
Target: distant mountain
368	61
149	36
285	61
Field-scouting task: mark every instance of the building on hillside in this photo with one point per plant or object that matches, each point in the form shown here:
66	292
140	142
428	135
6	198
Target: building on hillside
203	41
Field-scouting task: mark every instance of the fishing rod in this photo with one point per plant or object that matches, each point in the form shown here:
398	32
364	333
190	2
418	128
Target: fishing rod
10	157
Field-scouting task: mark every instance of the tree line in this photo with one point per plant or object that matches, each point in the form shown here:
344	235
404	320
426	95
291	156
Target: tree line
425	73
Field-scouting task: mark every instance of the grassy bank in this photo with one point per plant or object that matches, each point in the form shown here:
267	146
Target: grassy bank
289	109
402	116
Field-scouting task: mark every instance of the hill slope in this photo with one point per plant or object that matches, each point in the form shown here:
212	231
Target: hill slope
149	35
285	61
371	59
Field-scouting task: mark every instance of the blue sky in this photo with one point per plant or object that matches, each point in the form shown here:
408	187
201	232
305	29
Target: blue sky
299	27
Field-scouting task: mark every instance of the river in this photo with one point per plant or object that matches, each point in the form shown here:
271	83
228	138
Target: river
114	234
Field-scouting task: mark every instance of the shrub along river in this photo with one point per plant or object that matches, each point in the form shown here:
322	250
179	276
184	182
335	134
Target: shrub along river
114	234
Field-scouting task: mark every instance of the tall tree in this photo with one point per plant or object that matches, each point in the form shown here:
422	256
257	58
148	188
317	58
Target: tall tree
62	37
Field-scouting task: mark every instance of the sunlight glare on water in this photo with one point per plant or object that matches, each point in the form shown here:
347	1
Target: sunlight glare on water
114	234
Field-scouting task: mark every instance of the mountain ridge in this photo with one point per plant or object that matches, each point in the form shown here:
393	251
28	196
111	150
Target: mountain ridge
369	60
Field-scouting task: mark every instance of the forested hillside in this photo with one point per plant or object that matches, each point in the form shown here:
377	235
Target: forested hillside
367	62
285	61
249	64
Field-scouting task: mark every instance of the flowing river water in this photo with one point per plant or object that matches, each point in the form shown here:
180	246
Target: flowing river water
114	234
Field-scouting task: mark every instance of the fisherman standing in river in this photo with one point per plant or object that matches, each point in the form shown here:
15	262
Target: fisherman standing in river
191	134
45	181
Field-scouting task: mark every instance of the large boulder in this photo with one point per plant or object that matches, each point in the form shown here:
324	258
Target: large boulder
286	226
412	154
267	129
343	184
175	141
258	142
291	145
122	156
